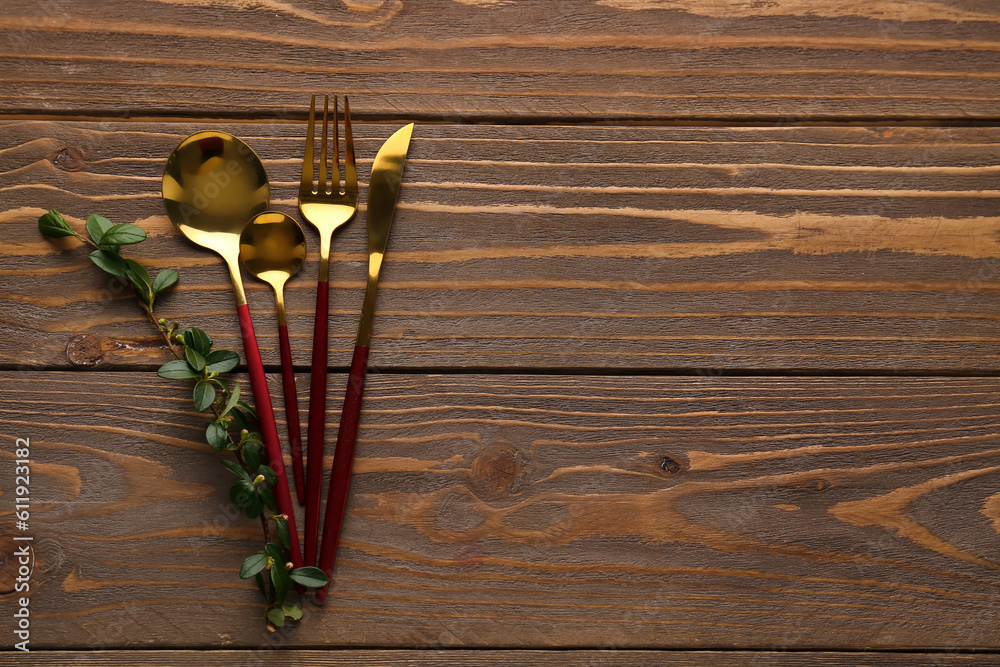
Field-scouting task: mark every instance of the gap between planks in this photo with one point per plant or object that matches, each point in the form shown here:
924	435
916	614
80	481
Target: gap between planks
559	370
406	657
763	121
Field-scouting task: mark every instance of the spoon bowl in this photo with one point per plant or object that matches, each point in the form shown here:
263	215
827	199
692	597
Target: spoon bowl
273	248
212	185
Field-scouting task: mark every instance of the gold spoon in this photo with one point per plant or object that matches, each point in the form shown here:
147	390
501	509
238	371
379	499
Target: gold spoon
212	185
273	248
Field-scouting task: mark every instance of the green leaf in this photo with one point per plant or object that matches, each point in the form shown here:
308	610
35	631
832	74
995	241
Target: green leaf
140	271
97	225
270	476
123	234
177	370
109	262
241	493
233	397
194	358
291	611
143	289
197	339
249	410
240	418
280	579
259	580
267	498
276	615
165	279
222	361
310	577
255	507
216	436
204	395
253	565
275	552
252	452
139	276
236	469
54	226
283	536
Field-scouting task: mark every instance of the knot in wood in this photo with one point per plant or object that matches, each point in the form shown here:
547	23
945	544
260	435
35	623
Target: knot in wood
497	466
817	485
69	158
670	466
84	350
9	563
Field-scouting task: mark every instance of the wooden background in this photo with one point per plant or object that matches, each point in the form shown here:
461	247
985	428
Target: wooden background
686	350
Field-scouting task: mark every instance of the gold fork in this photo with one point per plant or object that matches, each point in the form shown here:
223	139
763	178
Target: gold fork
326	207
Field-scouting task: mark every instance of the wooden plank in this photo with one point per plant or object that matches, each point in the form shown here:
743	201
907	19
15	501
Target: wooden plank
474	658
493	511
446	60
534	247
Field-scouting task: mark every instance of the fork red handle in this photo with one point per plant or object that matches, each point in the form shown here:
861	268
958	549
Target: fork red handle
291	412
317	419
268	429
343	460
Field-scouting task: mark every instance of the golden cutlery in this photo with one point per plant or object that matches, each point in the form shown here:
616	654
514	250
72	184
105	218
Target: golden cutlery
383	189
273	249
212	185
326	207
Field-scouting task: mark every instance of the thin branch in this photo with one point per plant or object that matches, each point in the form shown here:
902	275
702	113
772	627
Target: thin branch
152	319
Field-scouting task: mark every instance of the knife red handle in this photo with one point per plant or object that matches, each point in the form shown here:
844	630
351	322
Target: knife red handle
291	411
268	429
343	459
317	419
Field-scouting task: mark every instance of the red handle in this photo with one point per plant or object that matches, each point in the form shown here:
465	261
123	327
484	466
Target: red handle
343	459
317	419
268	430
291	411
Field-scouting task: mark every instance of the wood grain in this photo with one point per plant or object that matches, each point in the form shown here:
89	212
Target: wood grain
535	247
523	511
642	60
478	658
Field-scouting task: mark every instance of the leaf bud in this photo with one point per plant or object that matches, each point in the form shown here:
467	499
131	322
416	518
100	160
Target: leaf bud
258	480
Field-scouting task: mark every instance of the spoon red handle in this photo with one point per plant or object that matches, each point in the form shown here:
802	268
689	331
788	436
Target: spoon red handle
317	419
291	411
268	430
343	460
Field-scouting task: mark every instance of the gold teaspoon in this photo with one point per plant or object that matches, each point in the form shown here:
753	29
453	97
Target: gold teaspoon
273	248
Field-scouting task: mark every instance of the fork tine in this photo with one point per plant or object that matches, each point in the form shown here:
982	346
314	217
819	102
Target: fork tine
350	169
321	187
306	184
335	174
